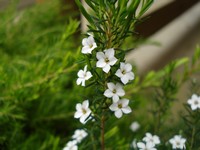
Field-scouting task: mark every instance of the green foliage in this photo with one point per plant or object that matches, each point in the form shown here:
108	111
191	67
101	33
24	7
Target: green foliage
113	21
38	66
38	55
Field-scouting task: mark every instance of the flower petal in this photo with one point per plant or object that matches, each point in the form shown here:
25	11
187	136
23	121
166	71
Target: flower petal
124	79
78	114
80	73
130	75
119	73
109	52
111	86
126	110
88	75
115	98
128	67
79	80
114	107
91	39
83	82
84	42
106	68
118	113
101	63
100	55
124	102
108	93
112	61
82	119
85	104
141	145
78	106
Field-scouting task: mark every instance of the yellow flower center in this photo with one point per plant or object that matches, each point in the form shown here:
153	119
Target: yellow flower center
123	71
114	91
84	111
106	60
90	45
120	106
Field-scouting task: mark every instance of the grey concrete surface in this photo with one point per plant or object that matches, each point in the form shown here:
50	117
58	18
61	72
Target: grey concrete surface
177	39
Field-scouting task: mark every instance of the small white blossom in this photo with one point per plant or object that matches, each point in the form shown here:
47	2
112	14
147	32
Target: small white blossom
79	135
120	107
134	126
194	102
71	145
114	91
106	59
88	45
82	111
178	142
147	146
83	75
149	138
125	72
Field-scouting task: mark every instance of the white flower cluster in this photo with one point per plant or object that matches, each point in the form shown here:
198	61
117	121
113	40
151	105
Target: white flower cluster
105	60
78	136
194	102
149	142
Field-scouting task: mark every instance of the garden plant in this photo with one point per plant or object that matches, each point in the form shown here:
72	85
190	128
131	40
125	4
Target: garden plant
57	93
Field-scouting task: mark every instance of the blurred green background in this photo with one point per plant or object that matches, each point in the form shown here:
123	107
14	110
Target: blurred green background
39	59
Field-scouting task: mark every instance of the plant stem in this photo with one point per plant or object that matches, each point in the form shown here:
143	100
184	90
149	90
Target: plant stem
102	132
192	140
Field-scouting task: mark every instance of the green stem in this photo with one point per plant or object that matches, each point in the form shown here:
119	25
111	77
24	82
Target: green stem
192	139
102	132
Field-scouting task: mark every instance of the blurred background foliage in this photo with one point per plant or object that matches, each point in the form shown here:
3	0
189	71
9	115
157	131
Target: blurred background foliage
39	60
36	71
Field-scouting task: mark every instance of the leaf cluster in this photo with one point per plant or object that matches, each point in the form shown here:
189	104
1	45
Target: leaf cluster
37	63
113	21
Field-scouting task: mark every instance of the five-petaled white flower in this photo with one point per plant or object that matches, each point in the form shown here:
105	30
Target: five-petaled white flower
82	111
149	138
114	91
79	135
194	102
105	60
134	126
147	146
71	145
125	72
83	75
120	107
178	142
88	45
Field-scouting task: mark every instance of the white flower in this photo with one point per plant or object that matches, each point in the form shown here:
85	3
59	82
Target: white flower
114	91
134	126
105	60
82	111
88	45
79	135
120	107
194	102
149	138
125	72
178	142
71	145
147	146
83	75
